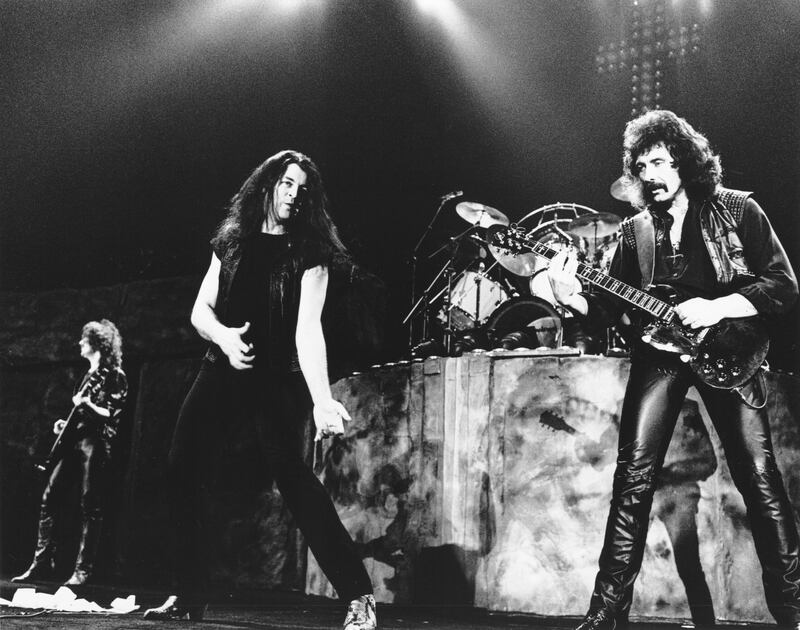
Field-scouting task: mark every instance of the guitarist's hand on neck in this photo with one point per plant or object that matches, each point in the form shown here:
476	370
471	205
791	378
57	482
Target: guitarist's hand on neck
561	273
701	313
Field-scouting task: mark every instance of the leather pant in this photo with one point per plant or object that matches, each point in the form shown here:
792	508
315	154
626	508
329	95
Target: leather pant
656	389
87	460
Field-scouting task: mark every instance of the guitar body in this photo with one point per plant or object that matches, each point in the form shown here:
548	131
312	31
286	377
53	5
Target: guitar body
64	439
57	451
724	356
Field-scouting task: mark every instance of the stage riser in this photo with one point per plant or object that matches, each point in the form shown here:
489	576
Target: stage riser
486	481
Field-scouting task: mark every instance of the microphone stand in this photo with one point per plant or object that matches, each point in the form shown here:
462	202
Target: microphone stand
426	293
413	265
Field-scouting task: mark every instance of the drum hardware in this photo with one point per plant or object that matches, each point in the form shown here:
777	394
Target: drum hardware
471	300
478	278
524	322
595	225
428	348
413	264
482	311
469	295
599	231
454	242
616	346
423	303
544	220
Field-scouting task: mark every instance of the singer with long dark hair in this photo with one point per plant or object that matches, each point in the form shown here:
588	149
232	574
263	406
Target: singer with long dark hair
260	305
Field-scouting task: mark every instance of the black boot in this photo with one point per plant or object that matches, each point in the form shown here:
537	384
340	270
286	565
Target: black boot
42	565
175	608
90	541
601	619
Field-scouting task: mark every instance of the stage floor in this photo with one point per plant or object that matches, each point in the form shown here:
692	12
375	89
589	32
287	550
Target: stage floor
285	611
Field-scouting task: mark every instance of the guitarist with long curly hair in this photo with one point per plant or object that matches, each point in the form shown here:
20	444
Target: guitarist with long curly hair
716	250
82	452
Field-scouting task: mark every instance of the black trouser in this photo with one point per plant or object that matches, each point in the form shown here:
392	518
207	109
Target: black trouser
656	388
280	405
85	462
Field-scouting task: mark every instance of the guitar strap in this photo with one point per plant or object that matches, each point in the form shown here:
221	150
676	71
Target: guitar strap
639	233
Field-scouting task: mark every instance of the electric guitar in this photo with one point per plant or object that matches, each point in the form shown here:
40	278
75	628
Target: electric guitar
725	355
89	388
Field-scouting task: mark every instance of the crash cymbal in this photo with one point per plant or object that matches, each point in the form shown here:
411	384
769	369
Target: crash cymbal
522	264
619	189
478	214
596	225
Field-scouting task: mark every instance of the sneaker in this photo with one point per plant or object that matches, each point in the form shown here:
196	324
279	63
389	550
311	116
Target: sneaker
361	614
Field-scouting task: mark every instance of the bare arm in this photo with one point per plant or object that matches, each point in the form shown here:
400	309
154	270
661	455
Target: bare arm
311	353
699	312
204	319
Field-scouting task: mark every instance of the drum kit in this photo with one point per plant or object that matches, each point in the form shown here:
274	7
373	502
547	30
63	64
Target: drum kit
493	299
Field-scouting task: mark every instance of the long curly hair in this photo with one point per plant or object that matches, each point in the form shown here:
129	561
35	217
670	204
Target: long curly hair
104	337
699	167
310	227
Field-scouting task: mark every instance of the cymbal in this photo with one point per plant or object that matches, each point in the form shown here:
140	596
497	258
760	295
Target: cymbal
619	190
596	225
478	214
522	264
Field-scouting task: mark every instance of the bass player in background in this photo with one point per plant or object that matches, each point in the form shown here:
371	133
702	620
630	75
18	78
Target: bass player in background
82	452
716	247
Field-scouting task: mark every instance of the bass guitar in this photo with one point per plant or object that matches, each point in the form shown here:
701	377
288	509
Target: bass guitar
725	355
89	388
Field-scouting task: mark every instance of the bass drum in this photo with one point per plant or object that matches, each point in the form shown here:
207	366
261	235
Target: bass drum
524	322
469	306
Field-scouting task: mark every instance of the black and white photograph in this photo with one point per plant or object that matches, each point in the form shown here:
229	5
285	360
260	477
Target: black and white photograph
400	314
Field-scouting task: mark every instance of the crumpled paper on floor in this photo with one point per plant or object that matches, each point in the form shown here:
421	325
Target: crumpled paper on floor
65	600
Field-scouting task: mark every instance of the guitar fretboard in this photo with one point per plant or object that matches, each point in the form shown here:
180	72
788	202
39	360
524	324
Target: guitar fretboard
657	308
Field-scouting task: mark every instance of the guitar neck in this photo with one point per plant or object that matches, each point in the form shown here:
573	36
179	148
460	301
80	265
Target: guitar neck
657	308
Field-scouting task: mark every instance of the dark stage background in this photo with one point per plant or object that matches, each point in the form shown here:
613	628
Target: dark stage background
127	126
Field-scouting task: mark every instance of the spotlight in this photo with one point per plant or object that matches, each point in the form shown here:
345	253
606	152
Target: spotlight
445	10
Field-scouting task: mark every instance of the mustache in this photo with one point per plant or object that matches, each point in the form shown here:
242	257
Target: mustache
652	187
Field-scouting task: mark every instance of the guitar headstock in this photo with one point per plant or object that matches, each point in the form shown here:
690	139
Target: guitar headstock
508	238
